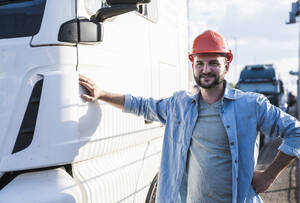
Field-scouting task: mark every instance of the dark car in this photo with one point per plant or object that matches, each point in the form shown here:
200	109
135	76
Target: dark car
262	79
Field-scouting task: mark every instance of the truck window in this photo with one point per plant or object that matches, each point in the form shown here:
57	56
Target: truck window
148	11
259	87
21	18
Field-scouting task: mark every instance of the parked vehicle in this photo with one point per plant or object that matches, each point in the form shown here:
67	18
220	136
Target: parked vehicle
262	78
54	147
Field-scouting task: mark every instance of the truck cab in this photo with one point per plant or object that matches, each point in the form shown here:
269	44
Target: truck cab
54	146
263	79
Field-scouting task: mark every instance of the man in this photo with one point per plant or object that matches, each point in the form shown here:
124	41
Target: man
210	145
292	105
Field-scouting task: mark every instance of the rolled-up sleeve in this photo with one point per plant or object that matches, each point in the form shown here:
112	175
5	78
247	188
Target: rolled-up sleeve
151	109
274	122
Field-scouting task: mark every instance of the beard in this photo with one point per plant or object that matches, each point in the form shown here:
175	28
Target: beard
217	80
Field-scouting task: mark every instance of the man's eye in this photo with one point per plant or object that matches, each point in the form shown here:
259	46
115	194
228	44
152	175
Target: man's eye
214	63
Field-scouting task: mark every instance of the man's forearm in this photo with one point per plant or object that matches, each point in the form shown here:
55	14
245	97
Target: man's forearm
262	180
280	162
117	100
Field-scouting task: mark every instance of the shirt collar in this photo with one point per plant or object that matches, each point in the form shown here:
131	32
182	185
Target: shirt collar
229	93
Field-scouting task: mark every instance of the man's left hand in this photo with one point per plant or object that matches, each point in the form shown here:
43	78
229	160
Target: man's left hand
261	181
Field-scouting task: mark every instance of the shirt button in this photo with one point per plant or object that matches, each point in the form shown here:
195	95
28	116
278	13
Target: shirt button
232	143
235	161
237	179
227	126
222	111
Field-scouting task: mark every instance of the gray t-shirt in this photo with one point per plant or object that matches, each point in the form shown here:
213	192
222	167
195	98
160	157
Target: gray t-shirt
208	175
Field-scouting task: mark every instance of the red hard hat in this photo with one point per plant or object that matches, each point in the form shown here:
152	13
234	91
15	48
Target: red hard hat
210	42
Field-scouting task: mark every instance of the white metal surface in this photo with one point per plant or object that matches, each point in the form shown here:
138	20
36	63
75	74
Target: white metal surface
56	136
56	13
105	130
20	67
42	187
114	155
114	177
144	59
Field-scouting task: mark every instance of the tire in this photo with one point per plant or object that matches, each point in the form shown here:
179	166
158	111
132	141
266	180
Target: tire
151	195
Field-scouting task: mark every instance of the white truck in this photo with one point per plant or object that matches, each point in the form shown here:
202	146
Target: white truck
55	147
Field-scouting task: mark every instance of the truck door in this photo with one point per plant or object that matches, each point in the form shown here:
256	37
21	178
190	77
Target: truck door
117	143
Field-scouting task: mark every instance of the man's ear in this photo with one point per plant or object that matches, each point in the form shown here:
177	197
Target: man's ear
227	66
193	65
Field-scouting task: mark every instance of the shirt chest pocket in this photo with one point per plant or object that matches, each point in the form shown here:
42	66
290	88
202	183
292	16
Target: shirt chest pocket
176	130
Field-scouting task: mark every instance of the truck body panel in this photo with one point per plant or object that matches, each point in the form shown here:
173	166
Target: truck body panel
42	187
46	125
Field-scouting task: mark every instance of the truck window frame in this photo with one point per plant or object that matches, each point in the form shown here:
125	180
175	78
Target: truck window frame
21	19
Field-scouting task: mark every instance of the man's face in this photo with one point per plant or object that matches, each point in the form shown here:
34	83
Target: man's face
209	70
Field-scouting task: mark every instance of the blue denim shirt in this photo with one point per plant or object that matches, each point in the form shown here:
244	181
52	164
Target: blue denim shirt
242	114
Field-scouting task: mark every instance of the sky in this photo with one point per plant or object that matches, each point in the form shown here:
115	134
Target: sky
256	32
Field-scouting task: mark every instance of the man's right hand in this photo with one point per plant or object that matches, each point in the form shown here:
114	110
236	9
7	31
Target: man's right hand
117	100
93	91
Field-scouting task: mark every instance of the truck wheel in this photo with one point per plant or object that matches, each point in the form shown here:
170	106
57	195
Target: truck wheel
151	196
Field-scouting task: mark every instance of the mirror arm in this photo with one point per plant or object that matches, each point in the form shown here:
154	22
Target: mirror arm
114	2
105	13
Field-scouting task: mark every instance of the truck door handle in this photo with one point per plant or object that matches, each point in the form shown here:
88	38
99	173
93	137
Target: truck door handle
148	122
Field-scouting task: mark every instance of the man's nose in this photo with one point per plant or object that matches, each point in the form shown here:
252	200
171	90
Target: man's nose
206	68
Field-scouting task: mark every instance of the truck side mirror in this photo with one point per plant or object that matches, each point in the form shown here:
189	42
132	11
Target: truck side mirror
117	7
80	31
91	31
115	10
112	2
